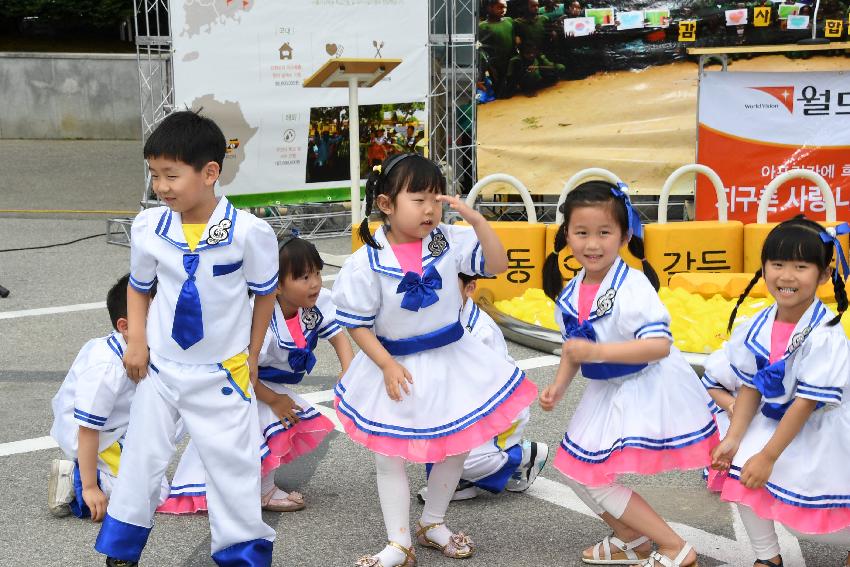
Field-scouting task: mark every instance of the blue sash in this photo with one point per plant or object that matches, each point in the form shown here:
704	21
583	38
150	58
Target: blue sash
435	339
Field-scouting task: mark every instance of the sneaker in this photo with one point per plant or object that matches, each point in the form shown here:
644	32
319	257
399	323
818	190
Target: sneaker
534	457
112	562
60	487
465	491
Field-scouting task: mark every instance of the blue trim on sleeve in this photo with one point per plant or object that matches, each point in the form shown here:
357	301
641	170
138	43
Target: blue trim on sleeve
89	417
265	287
140	286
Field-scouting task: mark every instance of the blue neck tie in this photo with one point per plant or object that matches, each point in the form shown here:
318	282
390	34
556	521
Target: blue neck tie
419	291
188	327
768	380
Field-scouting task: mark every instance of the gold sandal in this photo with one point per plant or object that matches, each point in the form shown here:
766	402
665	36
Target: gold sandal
460	546
371	561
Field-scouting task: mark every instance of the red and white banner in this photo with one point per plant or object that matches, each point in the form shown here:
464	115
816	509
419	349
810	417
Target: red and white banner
755	126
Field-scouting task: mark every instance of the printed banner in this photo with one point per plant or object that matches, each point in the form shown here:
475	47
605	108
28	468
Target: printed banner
244	63
755	126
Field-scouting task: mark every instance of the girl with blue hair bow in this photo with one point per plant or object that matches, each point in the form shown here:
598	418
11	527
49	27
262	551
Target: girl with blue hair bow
422	388
643	410
786	452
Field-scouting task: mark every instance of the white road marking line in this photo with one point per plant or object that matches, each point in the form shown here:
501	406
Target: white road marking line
320	397
83	306
730	552
27	446
52	310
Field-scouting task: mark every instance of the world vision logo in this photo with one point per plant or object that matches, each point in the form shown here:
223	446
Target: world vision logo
785	95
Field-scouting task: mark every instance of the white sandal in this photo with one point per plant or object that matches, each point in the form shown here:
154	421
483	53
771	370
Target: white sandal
603	555
656	558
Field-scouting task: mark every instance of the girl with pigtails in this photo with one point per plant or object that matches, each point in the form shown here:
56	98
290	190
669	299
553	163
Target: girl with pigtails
422	388
786	452
643	410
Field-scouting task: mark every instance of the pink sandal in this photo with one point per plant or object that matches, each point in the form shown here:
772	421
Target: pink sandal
293	502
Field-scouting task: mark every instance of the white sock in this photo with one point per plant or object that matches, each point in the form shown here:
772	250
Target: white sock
394	493
762	533
441	487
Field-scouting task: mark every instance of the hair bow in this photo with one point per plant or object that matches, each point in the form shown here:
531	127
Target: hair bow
622	192
831	234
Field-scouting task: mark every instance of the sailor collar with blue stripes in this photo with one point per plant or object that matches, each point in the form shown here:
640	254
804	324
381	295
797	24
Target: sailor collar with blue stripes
309	318
757	340
606	295
218	232
115	341
469	315
384	261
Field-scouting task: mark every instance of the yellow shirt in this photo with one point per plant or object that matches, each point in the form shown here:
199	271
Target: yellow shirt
193	233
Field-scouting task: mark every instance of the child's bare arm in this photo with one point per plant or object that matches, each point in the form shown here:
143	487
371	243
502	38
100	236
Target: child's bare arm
95	499
136	355
262	316
343	349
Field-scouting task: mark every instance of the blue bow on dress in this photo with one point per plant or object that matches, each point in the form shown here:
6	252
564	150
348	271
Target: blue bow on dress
302	360
188	326
768	379
419	291
575	331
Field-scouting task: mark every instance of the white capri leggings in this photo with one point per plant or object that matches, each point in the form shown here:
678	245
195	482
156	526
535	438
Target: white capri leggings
611	498
765	542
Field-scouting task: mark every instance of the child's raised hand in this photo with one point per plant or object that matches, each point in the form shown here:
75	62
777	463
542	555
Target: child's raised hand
550	396
468	214
580	350
757	470
722	455
396	378
285	409
136	361
96	500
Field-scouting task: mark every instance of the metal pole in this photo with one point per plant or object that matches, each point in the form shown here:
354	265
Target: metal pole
354	152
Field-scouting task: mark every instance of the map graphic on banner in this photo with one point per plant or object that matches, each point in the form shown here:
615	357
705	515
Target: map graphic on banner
243	62
755	126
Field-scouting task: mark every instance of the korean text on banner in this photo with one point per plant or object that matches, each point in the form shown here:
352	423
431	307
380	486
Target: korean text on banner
755	126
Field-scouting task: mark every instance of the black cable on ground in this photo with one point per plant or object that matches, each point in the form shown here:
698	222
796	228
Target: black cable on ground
53	245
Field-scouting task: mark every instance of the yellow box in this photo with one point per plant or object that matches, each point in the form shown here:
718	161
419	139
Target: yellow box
568	264
756	234
356	242
525	244
694	246
732	285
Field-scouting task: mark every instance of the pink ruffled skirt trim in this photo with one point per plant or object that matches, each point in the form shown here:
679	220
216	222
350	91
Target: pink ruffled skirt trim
286	445
635	460
184	505
437	449
767	506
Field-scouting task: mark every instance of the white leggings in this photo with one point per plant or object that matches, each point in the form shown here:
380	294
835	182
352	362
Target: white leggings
611	498
765	542
394	493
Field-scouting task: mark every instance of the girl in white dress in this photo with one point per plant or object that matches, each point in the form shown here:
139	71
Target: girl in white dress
643	410
289	426
787	448
422	388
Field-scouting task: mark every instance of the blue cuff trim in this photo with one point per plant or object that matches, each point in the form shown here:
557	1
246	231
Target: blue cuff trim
89	418
140	286
254	553
121	540
264	287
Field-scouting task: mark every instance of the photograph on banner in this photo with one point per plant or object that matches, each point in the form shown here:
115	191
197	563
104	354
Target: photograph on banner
385	129
756	126
246	64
